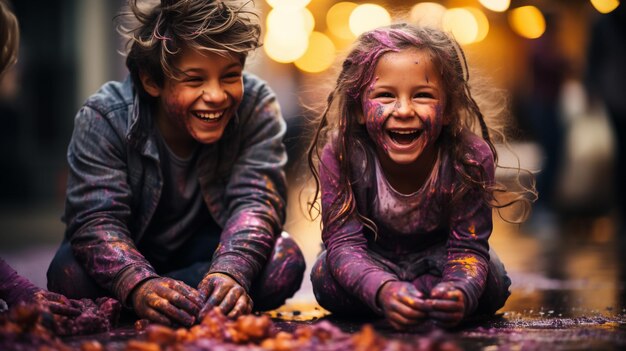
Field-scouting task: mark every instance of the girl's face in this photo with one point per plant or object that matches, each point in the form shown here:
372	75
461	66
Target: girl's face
403	105
201	101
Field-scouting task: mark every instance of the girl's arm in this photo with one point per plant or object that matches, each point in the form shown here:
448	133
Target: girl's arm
468	248
346	245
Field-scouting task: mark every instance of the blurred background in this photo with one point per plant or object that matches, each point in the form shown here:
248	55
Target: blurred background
561	63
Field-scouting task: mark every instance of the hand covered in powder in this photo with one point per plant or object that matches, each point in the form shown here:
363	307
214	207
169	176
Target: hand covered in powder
224	292
167	301
56	303
447	304
402	304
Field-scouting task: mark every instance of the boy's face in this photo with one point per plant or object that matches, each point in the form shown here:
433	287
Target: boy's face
200	102
403	105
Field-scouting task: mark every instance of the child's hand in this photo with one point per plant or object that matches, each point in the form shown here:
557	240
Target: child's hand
447	304
402	304
166	301
56	303
224	292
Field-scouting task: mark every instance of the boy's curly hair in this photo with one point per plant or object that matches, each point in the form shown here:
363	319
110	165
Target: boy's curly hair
9	36
157	31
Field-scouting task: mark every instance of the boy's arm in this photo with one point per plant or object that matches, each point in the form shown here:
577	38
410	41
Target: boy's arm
98	206
346	245
255	197
468	247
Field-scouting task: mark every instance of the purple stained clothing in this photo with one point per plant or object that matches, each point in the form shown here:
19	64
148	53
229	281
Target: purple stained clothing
115	182
435	234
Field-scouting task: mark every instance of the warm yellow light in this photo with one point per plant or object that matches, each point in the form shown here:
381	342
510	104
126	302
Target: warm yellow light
527	21
319	55
288	3
462	24
605	6
289	19
367	17
496	5
337	20
481	21
427	14
285	46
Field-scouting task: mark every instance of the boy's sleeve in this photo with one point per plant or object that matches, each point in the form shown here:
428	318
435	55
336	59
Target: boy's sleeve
468	247
98	206
347	254
255	197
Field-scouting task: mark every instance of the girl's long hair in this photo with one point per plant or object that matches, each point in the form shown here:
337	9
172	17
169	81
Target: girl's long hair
338	122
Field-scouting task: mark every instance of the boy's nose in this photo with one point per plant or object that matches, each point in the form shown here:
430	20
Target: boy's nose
214	94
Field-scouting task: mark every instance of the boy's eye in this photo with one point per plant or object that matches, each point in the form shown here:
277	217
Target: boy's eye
192	79
232	75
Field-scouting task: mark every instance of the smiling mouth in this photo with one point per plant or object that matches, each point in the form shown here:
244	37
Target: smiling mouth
404	137
208	116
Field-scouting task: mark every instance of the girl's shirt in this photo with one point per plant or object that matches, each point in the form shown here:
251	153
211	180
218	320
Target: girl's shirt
408	226
115	182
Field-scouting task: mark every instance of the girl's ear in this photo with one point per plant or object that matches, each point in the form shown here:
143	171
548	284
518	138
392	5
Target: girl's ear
149	85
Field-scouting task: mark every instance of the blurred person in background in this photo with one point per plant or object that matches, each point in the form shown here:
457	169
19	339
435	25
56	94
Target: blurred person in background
605	79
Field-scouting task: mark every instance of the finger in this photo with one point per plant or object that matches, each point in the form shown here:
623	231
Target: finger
163	306
243	306
182	302
400	319
189	293
206	288
230	300
408	311
155	316
412	301
446	319
62	309
446	305
218	294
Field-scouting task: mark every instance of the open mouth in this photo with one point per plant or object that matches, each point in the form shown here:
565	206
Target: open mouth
404	137
208	116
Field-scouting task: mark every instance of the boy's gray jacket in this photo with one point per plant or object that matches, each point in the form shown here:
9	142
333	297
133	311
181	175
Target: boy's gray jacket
115	183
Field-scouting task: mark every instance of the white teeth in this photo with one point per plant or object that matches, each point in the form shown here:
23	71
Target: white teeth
209	115
404	131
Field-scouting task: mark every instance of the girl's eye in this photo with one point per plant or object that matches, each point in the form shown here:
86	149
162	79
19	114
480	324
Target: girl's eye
424	95
383	95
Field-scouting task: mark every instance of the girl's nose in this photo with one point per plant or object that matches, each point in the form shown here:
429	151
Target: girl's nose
214	94
403	108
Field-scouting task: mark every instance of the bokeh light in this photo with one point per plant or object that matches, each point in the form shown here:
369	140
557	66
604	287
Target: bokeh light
288	3
481	21
462	24
367	17
338	18
290	18
527	21
427	14
285	46
319	55
605	6
496	5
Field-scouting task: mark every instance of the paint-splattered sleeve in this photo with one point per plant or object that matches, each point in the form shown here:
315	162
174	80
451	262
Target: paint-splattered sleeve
347	253
471	225
98	206
255	197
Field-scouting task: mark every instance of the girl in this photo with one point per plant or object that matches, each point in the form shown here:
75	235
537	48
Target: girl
176	190
407	188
